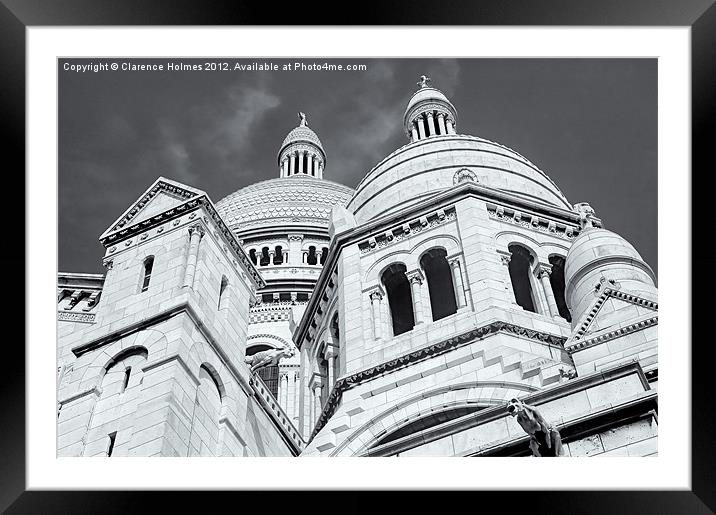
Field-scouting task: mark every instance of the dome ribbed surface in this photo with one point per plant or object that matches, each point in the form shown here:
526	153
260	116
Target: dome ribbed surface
291	200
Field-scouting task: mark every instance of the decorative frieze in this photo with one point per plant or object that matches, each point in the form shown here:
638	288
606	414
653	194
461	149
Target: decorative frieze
605	293
71	316
400	232
534	222
436	349
611	335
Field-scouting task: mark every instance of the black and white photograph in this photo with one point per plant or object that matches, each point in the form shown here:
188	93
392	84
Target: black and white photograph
357	257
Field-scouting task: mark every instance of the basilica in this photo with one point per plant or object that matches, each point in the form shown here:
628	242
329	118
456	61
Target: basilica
301	317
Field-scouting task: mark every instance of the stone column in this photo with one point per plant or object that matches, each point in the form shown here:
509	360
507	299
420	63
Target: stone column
196	232
294	247
317	405
315	165
441	123
421	127
450	127
300	160
543	273
330	356
431	123
292	166
416	280
295	391
285	256
457	283
320	169
272	255
376	296
505	257
309	164
414	133
283	391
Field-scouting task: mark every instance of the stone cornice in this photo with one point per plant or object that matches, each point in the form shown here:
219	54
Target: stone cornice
111	238
611	335
350	381
398	233
530	220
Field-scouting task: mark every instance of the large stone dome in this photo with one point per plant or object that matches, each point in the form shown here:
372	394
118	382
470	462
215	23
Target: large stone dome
298	200
427	166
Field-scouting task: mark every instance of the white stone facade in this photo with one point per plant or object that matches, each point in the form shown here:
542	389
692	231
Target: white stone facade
455	277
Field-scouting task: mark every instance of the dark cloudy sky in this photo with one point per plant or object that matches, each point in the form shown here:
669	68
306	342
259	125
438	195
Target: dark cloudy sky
590	124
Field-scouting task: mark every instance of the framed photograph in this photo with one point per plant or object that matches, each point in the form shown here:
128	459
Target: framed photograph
430	242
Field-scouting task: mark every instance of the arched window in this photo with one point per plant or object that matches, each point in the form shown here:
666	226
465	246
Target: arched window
265	258
252	256
520	271
400	300
312	257
125	382
147	273
268	374
278	255
440	286
324	254
222	292
556	280
204	428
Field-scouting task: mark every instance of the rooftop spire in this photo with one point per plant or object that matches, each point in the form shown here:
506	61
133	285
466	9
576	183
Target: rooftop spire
423	82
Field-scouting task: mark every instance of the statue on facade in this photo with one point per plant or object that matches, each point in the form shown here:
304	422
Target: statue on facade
544	438
267	358
302	117
423	83
586	213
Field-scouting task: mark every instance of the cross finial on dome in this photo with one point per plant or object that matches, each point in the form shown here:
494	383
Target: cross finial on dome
424	79
302	117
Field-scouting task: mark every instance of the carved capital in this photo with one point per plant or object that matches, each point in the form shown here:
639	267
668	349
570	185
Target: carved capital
415	276
376	293
504	257
196	228
108	264
295	237
544	269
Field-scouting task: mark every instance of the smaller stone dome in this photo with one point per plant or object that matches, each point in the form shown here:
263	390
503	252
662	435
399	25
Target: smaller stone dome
599	258
301	134
426	94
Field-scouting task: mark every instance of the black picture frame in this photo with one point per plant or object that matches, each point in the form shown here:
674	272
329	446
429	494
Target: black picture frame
17	15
